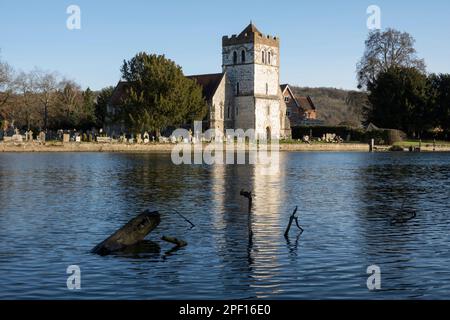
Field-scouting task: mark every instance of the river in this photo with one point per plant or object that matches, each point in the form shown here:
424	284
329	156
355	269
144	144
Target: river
55	207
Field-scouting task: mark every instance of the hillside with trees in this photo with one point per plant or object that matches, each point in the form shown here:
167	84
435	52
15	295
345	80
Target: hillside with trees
336	106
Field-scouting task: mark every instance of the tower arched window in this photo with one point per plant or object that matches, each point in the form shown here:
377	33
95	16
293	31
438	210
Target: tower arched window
267	89
269	57
234	57
263	57
243	56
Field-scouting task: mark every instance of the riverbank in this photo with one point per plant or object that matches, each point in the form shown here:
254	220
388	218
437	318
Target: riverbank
164	148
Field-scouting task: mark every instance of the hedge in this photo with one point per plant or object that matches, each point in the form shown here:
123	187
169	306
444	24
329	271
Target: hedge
381	136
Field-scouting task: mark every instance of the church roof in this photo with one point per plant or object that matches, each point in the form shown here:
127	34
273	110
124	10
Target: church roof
209	83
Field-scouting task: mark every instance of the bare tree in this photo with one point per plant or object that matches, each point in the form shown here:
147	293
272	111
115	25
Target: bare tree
384	50
46	85
6	77
69	102
26	88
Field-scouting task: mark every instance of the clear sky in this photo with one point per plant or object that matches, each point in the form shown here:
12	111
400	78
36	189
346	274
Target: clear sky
321	40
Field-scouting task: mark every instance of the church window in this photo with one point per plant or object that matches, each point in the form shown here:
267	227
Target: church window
286	99
267	89
234	57
263	57
268	57
228	112
237	89
243	56
268	110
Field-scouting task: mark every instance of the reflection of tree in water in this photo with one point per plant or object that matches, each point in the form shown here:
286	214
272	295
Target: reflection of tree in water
383	188
152	179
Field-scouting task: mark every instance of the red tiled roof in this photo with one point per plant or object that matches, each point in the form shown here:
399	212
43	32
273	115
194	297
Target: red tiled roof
306	103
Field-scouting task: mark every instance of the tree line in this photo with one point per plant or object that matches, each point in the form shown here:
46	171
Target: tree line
43	100
401	94
158	96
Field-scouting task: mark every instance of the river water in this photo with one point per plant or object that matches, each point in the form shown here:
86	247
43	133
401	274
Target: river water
55	207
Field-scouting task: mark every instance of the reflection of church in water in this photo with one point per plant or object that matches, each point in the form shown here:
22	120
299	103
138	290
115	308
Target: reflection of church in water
246	237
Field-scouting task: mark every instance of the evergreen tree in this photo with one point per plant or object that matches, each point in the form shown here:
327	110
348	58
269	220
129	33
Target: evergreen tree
399	100
101	105
440	99
159	95
87	119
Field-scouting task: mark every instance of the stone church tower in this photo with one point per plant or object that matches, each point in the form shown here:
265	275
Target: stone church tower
251	62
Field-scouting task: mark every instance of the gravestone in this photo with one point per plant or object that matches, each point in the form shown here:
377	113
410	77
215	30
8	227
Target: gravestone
146	137
66	138
42	137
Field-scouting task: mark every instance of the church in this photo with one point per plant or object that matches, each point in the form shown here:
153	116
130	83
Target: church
247	93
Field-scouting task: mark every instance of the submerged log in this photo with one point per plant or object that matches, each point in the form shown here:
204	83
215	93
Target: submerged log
175	241
130	234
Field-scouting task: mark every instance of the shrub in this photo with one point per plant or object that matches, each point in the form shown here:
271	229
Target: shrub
396	149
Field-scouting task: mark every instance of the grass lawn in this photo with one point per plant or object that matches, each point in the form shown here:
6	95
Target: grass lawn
291	141
416	143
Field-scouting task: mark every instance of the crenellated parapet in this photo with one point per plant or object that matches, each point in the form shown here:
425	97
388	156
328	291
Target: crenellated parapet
251	35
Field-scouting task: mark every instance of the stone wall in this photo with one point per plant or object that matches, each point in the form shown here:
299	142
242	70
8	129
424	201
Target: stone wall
217	108
267	114
244	112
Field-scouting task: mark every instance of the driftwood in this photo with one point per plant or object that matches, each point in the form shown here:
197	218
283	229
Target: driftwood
130	234
179	243
291	219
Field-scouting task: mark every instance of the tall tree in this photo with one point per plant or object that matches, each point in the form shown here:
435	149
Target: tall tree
385	50
440	96
399	100
69	102
101	105
27	99
159	95
87	119
47	85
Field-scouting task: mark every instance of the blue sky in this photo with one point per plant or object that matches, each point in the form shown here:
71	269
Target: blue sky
321	41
